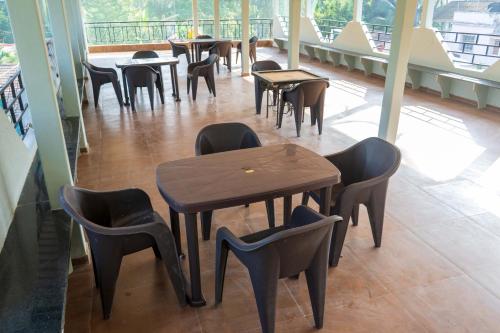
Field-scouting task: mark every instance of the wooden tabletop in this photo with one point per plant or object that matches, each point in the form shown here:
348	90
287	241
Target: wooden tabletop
287	76
242	176
147	61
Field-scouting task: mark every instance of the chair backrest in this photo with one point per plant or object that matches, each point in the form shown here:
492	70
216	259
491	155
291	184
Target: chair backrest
312	90
140	76
218	138
177	49
295	247
369	158
224	48
265	65
212	59
87	208
145	55
204	37
254	39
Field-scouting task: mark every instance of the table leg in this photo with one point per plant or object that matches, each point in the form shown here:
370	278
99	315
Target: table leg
196	298
172	80
325	198
176	85
192	52
287	209
125	88
174	225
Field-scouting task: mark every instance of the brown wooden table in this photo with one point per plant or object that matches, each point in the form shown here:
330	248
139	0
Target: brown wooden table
161	61
236	178
279	79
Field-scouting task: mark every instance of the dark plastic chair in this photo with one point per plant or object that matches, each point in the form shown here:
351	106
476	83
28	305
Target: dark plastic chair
252	52
179	49
143	76
223	50
217	138
278	253
203	68
305	94
203	46
119	223
150	55
261	86
365	168
100	76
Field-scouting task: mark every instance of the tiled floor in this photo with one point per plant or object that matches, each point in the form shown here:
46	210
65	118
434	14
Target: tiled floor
437	269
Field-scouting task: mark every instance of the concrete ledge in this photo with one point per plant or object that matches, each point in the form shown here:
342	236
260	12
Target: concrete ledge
153	46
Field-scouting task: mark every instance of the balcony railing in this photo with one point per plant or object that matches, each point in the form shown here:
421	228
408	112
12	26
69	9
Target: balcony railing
330	29
138	32
13	99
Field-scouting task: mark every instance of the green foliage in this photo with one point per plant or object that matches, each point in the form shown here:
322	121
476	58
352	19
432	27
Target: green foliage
339	10
8	57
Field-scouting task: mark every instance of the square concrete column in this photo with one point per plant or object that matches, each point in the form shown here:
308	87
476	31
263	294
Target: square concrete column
245	36
217	18
396	70
427	13
194	5
293	34
74	32
357	10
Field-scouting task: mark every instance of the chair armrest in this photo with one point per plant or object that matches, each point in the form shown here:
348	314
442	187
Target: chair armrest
224	234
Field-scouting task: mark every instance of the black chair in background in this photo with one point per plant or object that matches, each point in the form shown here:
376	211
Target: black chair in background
205	69
277	253
305	94
179	49
119	223
143	76
261	86
201	47
100	76
150	55
252	52
217	138
366	168
223	50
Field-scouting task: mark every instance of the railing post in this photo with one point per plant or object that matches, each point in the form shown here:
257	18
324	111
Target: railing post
427	14
357	11
195	17
396	71
293	34
245	36
217	18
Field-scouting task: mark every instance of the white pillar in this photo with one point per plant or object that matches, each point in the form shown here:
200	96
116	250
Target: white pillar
427	14
357	14
293	34
81	30
396	71
276	8
75	38
309	12
195	17
245	36
35	66
217	18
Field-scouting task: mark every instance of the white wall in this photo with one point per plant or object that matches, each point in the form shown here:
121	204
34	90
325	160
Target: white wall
15	161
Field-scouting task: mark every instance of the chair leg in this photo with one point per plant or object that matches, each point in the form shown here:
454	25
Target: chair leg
237	54
217	65
206	224
96	276
132	92
194	83
318	114
316	283
270	213
151	94
265	287
305	198
118	92
96	89
174	225
338	237
159	86
280	113
355	215
298	119
376	208
207	81
188	84
108	261
212	80
222	251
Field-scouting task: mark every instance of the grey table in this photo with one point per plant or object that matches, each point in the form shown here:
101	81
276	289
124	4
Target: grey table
161	61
